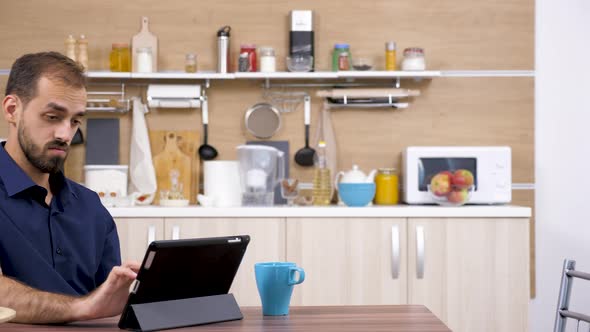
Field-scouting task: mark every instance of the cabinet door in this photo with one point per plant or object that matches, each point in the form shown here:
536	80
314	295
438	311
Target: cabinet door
135	234
348	260
471	273
267	243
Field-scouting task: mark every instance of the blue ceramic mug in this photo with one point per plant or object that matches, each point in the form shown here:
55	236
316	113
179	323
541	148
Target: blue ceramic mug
275	281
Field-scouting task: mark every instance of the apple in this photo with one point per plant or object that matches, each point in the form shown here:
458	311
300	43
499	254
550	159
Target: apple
440	185
458	196
462	178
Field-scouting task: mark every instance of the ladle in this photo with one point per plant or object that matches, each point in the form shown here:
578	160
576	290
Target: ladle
206	151
304	156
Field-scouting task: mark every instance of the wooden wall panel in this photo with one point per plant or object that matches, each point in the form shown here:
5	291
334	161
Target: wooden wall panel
458	34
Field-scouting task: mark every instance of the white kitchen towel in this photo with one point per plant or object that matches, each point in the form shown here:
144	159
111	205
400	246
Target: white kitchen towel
141	168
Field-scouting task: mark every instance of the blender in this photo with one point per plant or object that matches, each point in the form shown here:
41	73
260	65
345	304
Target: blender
261	169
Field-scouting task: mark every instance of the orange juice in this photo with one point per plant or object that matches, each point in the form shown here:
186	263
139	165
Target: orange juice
387	183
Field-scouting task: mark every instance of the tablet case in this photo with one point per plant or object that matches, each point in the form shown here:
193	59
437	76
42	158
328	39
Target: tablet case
181	313
150	311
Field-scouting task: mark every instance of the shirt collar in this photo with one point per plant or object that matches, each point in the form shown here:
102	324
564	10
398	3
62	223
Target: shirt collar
16	180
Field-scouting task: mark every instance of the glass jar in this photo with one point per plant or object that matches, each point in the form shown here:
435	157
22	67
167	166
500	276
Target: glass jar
387	187
268	62
339	49
248	51
119	57
413	59
190	63
144	60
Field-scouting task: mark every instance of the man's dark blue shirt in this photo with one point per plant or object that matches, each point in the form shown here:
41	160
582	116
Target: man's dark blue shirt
68	247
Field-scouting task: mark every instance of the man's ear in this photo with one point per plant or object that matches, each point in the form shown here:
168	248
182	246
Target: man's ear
10	106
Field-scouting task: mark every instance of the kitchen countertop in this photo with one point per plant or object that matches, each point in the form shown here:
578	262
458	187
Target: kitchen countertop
398	211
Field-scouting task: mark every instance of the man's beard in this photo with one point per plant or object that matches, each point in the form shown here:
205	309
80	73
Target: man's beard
36	155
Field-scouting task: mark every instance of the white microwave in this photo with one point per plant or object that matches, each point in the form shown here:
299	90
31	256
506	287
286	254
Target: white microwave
491	167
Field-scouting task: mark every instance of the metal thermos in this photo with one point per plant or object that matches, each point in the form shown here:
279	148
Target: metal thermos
223	49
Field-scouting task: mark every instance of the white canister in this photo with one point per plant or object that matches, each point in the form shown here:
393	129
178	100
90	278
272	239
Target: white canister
109	181
222	183
413	59
144	60
268	62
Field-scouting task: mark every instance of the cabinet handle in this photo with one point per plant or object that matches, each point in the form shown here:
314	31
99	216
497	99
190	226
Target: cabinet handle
420	252
175	232
395	251
151	235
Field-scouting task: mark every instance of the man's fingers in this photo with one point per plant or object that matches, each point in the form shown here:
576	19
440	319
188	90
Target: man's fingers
124	273
134	266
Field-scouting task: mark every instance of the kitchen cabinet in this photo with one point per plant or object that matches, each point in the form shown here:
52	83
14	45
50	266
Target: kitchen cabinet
471	273
349	260
135	234
267	243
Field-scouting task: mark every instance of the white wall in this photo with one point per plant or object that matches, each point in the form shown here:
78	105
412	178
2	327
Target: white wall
562	147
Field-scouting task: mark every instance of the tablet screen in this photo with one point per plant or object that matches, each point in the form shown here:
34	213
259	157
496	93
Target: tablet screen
179	269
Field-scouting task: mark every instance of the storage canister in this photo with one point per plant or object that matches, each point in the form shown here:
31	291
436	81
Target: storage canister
387	187
267	60
413	59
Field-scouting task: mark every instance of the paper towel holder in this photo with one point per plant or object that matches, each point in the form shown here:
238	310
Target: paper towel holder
174	95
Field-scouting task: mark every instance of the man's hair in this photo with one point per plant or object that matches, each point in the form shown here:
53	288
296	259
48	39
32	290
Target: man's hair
29	68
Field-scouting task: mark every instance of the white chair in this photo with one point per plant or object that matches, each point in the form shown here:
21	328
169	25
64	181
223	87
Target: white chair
563	312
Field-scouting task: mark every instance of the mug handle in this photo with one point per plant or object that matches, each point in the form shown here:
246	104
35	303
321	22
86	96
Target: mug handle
292	271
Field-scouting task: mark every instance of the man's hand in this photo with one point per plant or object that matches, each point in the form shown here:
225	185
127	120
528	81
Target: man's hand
39	307
110	298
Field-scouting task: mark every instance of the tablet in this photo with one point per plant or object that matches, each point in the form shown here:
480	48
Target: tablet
180	269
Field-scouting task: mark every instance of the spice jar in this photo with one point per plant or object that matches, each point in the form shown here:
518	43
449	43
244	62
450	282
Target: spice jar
119	57
413	59
390	56
338	50
190	63
248	51
144	60
267	60
387	187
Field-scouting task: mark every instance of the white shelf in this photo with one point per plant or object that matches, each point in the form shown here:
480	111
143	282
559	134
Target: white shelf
427	74
399	211
288	75
183	75
488	73
107	74
389	74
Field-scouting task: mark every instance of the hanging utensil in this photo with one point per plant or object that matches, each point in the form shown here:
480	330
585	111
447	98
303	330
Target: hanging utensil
304	157
206	151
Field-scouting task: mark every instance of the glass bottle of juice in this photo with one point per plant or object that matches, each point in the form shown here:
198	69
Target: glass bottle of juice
322	180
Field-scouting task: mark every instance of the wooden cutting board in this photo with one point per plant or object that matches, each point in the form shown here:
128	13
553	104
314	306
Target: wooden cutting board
176	150
144	39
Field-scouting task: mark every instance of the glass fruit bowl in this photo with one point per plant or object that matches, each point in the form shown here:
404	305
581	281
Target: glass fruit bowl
452	195
299	63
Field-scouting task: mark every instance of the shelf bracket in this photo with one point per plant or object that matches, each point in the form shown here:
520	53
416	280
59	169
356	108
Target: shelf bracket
207	83
267	83
397	82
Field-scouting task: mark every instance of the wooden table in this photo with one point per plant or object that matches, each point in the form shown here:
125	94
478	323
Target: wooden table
391	318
